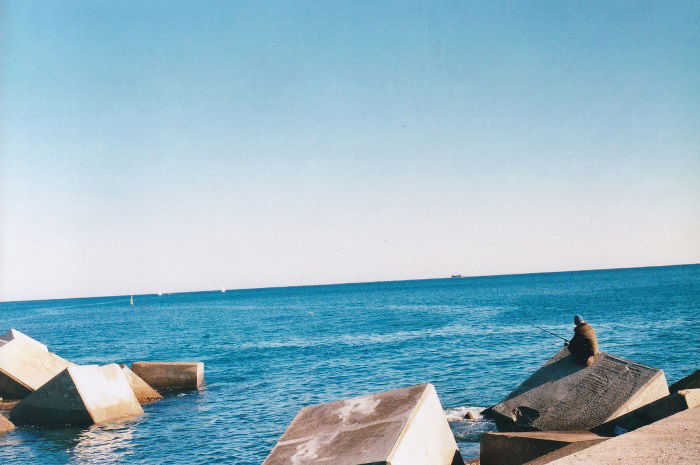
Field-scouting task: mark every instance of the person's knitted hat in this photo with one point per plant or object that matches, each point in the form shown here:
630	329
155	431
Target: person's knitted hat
578	319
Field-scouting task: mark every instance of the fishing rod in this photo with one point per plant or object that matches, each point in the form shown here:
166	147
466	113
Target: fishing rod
556	335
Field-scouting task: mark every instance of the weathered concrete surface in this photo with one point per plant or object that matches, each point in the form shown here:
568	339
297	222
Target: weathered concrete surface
144	393
692	381
25	365
402	427
5	425
655	411
673	440
521	447
79	395
563	395
170	375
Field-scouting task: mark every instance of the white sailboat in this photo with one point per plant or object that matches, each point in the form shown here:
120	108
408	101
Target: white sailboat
131	300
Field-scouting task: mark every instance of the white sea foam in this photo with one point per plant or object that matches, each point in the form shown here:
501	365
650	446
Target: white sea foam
458	413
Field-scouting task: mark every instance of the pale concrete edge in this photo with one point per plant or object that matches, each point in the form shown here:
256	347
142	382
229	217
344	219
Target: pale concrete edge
130	390
424	395
626	409
80	394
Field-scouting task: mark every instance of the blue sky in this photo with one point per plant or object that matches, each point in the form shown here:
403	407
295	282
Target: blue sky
165	146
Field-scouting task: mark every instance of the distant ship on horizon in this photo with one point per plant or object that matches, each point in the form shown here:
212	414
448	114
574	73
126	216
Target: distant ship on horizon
456	276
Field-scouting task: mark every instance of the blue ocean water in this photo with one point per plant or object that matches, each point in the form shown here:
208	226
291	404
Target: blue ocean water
269	352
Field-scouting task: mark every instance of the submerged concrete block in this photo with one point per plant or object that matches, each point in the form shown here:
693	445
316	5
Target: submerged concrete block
655	411
401	427
563	395
5	425
521	447
144	393
692	381
79	395
170	375
673	440
25	365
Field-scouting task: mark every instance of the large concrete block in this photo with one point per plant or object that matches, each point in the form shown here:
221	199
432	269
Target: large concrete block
79	395
401	427
673	440
563	395
520	447
170	375
5	425
143	392
25	365
655	411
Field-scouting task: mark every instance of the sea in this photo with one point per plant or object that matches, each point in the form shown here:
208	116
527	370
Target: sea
269	352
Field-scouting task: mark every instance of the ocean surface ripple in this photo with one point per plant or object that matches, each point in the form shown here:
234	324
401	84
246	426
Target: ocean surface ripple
270	352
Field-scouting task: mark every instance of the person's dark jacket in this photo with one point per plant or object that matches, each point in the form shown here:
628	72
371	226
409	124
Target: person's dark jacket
584	344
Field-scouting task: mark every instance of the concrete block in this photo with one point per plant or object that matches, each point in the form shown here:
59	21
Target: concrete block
655	411
401	427
5	425
170	375
144	393
79	395
692	381
13	334
520	447
673	440
564	396
25	365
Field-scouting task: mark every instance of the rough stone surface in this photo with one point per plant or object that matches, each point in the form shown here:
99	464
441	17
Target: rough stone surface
5	425
79	395
518	448
563	395
170	375
655	411
403	427
25	365
673	440
144	393
692	381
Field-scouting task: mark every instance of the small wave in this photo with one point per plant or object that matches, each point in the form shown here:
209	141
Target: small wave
466	430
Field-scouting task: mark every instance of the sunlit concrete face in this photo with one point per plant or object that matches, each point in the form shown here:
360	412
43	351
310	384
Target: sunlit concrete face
673	440
142	390
79	395
403	427
563	395
25	365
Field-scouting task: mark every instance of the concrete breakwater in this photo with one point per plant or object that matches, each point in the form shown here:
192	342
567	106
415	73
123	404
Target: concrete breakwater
564	413
47	390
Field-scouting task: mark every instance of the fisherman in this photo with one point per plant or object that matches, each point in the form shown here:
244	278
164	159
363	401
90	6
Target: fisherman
584	345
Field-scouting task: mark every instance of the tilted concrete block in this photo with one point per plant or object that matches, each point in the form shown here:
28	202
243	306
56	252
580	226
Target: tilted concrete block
5	425
655	411
563	395
673	440
170	375
518	448
401	427
25	365
143	392
79	395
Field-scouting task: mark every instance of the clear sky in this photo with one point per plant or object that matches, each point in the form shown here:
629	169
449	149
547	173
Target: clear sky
167	146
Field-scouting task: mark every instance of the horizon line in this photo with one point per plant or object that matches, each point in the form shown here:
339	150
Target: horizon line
357	282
